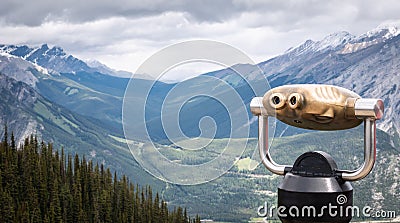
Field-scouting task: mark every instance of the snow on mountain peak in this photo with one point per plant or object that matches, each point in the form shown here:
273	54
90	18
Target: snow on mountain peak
19	69
347	43
385	30
54	59
380	34
100	67
95	63
17	61
334	40
330	42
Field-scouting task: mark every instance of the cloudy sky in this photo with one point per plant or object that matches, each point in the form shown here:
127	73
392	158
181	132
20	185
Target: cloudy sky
123	33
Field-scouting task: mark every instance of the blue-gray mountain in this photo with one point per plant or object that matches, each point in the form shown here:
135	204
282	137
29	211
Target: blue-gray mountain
54	59
367	64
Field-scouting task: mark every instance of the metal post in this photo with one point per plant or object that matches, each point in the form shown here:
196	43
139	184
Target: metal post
264	150
369	153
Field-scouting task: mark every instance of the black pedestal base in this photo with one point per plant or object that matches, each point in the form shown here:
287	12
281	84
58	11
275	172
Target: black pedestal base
313	192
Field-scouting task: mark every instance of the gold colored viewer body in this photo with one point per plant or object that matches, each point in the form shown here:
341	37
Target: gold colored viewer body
312	106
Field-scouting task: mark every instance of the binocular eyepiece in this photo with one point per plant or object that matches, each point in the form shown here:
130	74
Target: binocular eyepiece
314	179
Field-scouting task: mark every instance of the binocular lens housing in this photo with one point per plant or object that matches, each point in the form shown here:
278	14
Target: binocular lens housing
277	101
295	100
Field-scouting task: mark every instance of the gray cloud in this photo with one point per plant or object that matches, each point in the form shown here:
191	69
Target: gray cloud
35	13
122	33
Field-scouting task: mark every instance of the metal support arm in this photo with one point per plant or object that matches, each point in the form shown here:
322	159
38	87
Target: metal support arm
368	109
369	153
263	148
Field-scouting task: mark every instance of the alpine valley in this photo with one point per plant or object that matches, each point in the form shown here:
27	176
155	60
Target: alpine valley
77	105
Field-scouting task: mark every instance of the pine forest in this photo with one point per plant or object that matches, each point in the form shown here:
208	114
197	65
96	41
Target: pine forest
40	184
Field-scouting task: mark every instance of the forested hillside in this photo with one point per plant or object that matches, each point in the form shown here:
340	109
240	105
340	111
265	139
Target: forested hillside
38	184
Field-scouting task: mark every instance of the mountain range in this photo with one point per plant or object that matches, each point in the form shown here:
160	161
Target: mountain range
367	64
78	105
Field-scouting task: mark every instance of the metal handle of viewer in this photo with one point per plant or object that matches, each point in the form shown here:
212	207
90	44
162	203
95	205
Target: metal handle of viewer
368	109
369	153
257	109
263	148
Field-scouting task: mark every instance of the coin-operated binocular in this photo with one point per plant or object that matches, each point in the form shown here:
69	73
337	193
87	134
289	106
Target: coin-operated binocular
314	189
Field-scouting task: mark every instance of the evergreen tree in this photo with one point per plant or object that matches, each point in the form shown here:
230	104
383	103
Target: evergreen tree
13	141
5	138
